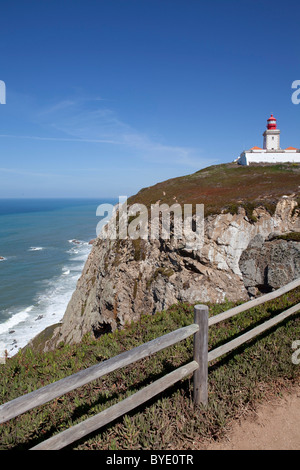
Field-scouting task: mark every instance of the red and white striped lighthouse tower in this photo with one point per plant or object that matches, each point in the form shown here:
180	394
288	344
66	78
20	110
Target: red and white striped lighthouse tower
272	135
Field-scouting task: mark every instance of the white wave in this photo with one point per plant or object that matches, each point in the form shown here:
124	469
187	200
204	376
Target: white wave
15	320
76	242
79	243
36	248
49	306
73	250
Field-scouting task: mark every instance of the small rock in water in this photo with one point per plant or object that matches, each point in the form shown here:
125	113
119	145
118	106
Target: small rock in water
39	317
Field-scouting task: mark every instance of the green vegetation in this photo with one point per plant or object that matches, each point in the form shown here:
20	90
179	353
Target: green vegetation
249	207
237	381
291	236
139	247
165	272
226	187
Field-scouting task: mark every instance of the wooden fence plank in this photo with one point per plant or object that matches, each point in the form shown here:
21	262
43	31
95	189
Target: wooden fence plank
225	348
200	354
253	303
43	395
101	419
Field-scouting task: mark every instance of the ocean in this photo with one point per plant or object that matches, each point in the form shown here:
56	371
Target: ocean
44	244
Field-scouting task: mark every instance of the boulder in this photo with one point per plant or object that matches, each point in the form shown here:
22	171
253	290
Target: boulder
269	264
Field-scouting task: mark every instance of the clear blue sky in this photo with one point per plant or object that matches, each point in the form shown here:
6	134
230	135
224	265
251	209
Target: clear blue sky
105	97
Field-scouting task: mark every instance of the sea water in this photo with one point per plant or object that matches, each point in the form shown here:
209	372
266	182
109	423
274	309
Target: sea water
44	245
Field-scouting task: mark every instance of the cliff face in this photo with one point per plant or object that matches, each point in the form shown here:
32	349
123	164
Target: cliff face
269	264
123	279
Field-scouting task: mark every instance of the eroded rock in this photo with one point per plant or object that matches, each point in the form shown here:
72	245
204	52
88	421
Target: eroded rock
123	279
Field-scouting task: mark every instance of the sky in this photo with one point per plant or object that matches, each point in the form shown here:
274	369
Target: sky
105	97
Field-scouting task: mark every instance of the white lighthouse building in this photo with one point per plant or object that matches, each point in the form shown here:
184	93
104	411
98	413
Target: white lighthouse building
271	151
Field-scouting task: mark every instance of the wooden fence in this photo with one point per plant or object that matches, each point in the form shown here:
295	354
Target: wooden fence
198	367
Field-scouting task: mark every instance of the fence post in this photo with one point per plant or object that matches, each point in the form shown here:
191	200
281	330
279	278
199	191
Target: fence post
201	354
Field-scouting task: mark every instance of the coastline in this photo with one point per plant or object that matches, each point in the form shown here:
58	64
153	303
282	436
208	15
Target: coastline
50	305
45	243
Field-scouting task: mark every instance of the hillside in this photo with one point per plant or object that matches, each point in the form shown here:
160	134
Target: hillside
238	381
123	279
225	187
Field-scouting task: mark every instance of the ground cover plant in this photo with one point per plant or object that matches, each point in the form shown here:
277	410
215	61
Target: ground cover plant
237	382
226	187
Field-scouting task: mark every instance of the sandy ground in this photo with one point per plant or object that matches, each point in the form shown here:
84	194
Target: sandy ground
274	426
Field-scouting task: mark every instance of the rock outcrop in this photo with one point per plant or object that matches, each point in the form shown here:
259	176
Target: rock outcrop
269	264
123	279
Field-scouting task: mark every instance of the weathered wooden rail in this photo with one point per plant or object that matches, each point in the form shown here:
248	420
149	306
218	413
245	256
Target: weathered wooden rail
198	367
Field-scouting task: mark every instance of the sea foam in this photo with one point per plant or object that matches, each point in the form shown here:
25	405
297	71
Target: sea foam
49	306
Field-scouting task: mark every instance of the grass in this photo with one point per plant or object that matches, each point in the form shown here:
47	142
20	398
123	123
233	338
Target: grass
226	187
291	236
237	381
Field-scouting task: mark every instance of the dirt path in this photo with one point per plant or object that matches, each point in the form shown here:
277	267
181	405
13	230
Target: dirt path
275	426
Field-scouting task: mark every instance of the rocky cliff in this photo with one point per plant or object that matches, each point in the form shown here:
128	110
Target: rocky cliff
123	279
271	263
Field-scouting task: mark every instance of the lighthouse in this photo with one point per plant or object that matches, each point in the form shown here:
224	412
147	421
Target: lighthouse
272	135
271	151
